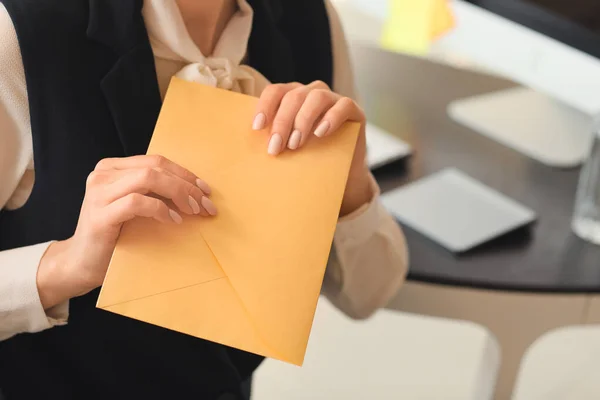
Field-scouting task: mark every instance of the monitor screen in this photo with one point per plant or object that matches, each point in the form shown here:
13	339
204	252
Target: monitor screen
573	22
585	13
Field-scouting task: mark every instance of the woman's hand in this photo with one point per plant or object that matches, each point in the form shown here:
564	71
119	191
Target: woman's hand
295	111
117	191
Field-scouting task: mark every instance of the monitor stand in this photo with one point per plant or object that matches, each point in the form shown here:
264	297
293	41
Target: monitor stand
529	122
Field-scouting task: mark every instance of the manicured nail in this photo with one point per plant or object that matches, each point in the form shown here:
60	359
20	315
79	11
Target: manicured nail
175	217
194	205
322	129
275	144
259	122
294	141
209	206
203	186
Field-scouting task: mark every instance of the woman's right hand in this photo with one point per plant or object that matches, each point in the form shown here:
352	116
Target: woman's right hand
118	190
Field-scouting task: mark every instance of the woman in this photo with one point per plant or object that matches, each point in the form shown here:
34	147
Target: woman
81	83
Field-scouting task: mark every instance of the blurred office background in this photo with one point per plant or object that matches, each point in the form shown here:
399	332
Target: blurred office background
505	90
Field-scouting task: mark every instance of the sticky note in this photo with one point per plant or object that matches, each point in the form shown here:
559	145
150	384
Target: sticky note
413	25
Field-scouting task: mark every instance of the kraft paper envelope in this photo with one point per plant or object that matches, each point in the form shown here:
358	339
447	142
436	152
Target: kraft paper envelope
250	277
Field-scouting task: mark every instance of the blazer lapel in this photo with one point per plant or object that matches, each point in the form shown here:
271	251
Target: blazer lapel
269	51
130	87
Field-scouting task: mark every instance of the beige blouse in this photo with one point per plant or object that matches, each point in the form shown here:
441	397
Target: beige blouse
369	258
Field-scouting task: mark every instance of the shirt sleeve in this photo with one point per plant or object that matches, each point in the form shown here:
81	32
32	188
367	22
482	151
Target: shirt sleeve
369	258
16	153
369	261
343	73
20	306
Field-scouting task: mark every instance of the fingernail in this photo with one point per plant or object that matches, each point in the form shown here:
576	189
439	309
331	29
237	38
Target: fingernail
194	205
322	129
175	217
294	141
203	186
209	206
259	122
275	144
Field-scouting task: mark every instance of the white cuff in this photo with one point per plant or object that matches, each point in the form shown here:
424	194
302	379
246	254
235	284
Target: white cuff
362	223
352	230
21	309
369	261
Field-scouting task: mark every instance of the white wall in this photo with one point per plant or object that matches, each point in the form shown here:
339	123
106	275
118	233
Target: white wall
482	40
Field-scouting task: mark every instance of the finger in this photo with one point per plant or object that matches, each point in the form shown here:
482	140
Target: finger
284	119
98	178
152	161
112	175
319	85
207	207
317	103
269	102
137	205
345	109
187	197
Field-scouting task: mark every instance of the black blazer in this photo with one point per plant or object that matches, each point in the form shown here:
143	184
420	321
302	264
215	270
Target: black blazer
93	94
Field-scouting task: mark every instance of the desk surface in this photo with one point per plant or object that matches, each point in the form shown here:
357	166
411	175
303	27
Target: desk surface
408	97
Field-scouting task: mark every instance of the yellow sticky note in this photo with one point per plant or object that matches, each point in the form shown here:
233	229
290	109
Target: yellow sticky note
413	25
443	19
250	277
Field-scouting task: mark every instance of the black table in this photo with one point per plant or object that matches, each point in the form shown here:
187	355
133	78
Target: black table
409	96
518	287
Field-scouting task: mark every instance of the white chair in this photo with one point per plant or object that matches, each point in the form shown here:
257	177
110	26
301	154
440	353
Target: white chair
390	356
564	364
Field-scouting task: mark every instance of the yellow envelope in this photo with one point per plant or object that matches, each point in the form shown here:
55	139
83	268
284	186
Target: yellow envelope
250	277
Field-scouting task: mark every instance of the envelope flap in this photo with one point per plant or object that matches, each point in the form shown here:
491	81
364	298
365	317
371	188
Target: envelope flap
153	258
227	324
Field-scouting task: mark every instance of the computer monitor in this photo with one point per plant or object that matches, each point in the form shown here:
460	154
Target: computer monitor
552	47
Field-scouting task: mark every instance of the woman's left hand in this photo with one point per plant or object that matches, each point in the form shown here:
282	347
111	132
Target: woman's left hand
295	111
